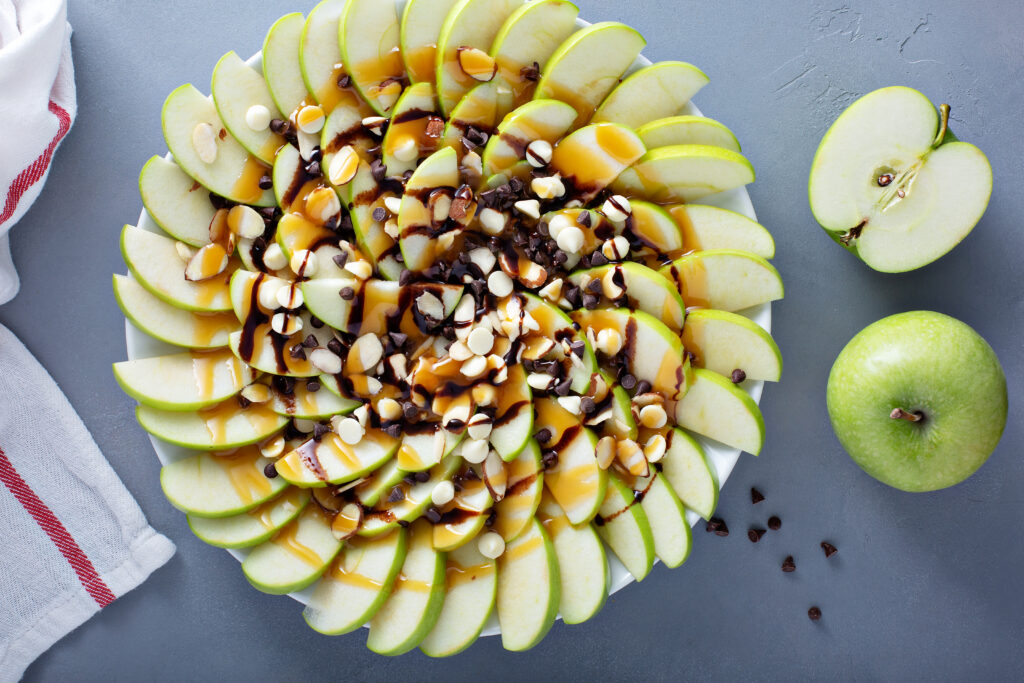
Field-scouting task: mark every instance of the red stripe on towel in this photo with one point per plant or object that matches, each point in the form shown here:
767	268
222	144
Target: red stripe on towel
31	175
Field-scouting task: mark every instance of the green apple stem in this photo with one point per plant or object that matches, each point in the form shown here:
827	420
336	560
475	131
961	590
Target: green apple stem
900	414
943	124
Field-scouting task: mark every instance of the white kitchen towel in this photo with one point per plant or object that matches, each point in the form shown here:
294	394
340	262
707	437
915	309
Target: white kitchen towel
72	539
37	107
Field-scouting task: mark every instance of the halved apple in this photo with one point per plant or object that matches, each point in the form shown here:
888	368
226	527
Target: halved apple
709	227
253	526
357	584
622	524
184	381
220	427
418	240
421	27
207	485
368	36
546	120
331	460
168	323
650	93
295	557
529	588
646	290
175	202
235	88
684	173
724	279
582	564
687	130
692	477
724	342
281	68
714	407
408	128
577	482
525	487
595	155
471	585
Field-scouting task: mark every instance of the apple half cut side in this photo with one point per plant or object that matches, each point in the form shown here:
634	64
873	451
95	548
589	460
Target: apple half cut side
207	485
692	477
295	557
684	173
622	524
368	34
529	588
251	527
725	279
175	203
716	408
357	584
687	130
281	69
184	381
724	342
901	195
650	93
235	88
419	32
472	586
168	323
220	427
709	227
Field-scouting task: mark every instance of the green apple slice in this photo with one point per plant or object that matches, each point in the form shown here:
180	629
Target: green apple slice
525	487
687	130
220	427
582	563
175	203
709	227
723	342
653	352
650	93
265	351
321	62
368	36
622	425
714	407
295	233
281	64
251	527
577	482
369	491
684	173
170	324
414	605
646	290
207	485
686	468
387	515
421	26
622	524
311	405
419	245
245	288
469	511
184	381
364	196
357	584
529	588
295	557
513	420
236	86
287	174
472	585
724	279
154	261
470	24
409	122
547	120
323	301
416	453
233	173
595	155
588	65
332	461
654	227
938	187
667	518
482	108
555	324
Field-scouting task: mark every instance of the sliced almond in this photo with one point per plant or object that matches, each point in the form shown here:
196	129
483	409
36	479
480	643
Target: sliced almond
325	361
245	221
495	476
346	523
365	353
211	260
343	166
204	142
477	64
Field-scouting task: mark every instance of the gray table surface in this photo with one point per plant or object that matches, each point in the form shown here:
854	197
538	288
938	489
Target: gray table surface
924	585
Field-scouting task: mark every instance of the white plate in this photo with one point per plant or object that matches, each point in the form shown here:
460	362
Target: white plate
141	345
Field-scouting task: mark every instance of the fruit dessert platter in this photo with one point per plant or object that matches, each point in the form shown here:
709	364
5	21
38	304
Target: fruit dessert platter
429	325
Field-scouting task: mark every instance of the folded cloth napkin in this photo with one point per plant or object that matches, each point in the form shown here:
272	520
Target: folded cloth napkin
72	538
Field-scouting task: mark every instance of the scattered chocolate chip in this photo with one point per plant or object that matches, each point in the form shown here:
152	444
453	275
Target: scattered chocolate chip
422	476
829	549
379	214
313	386
266	182
396	495
398	338
737	376
433	515
405	277
598	259
643	386
755	535
584	219
297	352
587	405
270	471
335	347
627	381
774	523
755	496
404	523
279	126
378	170
410	411
543	435
491	518
590	301
530	72
243	402
717	526
313	168
549	459
409	479
347	293
393	430
595	286
814	613
310	342
316	323
788	565
319	430
344	81
341	259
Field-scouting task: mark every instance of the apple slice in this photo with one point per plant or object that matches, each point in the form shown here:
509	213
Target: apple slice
650	93
323	301
724	279
714	407
646	290
418	240
357	584
587	66
363	194
295	557
184	381
175	203
154	261
655	228
513	419
582	563
577	482
687	130
546	120
723	342
414	605
296	233
251	527
525	486
311	405
281	65
465	516
168	323
622	524
471	587
594	156
470	24
321	62
235	88
233	173
332	461
207	485
368	36
421	26
529	37
388	514
667	518
267	351
555	324
481	108
417	452
289	177
686	468
369	490
709	227
684	173
652	351
408	128
220	427
529	588
899	196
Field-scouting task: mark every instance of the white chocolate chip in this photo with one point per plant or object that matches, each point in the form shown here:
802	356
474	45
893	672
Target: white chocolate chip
304	426
361	269
528	207
391	229
393	204
474	451
654	449
443	493
389	409
430	306
484	259
204	142
605	452
492	221
570	403
540	381
185	252
274	257
322	204
609	341
310	119
552	291
617	208
538	153
290	297
350	431
267	294
474	367
499	284
406	149
303	263
480	341
491	545
257	117
459	351
256	393
374	124
653	416
362	414
548	188
274	447
343	166
479	426
559	223
570	240
365	353
325	361
616	248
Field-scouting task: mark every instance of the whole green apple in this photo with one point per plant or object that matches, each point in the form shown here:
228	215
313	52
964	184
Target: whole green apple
918	400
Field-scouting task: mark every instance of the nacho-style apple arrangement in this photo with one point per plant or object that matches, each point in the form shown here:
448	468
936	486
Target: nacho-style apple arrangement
449	319
892	184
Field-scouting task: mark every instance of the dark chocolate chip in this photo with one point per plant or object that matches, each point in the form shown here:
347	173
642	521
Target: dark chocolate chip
319	430
335	346
396	495
341	259
543	435
598	259
266	182
584	219
814	613
628	381
313	168
755	496
755	535
717	526
410	411
433	515
549	459
316	322
347	293
737	376
642	387
788	565
491	518
587	405
774	523
379	214
829	549
595	286
244	402
312	386
422	476
344	81
279	126
590	301
270	471
310	342
297	352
